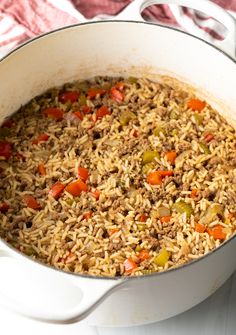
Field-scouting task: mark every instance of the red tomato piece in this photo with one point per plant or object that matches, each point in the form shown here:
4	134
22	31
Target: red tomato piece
87	215
56	190
31	202
42	169
85	109
71	96
83	173
129	265
4	207
54	113
208	137
5	149
143	255
94	91
117	95
8	123
76	187
143	218
101	112
79	115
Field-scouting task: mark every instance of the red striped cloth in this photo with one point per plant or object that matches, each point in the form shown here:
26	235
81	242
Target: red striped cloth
23	19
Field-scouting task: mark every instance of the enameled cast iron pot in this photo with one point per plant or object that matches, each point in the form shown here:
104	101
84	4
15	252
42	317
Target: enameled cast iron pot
117	48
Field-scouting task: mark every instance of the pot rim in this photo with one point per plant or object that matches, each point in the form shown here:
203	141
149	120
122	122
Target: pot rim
151	275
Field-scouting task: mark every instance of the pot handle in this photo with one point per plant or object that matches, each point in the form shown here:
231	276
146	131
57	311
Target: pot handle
92	291
228	45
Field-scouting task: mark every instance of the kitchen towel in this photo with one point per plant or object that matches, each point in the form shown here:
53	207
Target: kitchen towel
21	20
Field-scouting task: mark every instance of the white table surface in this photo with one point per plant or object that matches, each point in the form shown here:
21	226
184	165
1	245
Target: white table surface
215	316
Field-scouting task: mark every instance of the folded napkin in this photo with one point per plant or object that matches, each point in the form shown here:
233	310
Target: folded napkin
21	20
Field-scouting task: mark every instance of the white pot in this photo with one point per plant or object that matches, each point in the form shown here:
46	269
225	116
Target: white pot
112	48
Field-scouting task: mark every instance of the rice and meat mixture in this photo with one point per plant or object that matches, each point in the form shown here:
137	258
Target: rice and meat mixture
114	176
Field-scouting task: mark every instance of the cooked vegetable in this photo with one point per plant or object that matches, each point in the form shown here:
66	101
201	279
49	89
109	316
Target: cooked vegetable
198	118
155	178
56	190
171	156
143	218
102	111
86	109
158	130
4	132
76	187
42	169
5	149
83	173
217	232
162	258
117	95
113	231
82	100
95	194
71	96
208	137
163	211
183	207
196	104
87	215
126	116
31	202
40	138
194	193
165	219
93	92
129	265
200	228
204	148
7	123
144	255
132	80
141	226
4	207
211	213
79	115
54	113
149	156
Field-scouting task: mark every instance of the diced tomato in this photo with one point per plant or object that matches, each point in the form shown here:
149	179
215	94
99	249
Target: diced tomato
8	123
69	258
143	218
135	133
194	193
113	231
200	228
196	104
54	113
155	178
83	173
56	190
85	109
129	265
171	156
87	215
4	207
31	202
117	95
42	169
208	137
71	96
40	138
120	85
143	255
101	112
76	187
217	232
95	193
5	149
94	91
165	219
79	115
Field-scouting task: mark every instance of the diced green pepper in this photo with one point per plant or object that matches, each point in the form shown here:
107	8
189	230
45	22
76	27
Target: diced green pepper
198	118
205	148
149	156
132	80
183	207
126	116
82	100
159	130
162	258
141	226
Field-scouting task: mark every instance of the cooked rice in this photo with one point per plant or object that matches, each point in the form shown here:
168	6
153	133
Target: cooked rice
59	235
